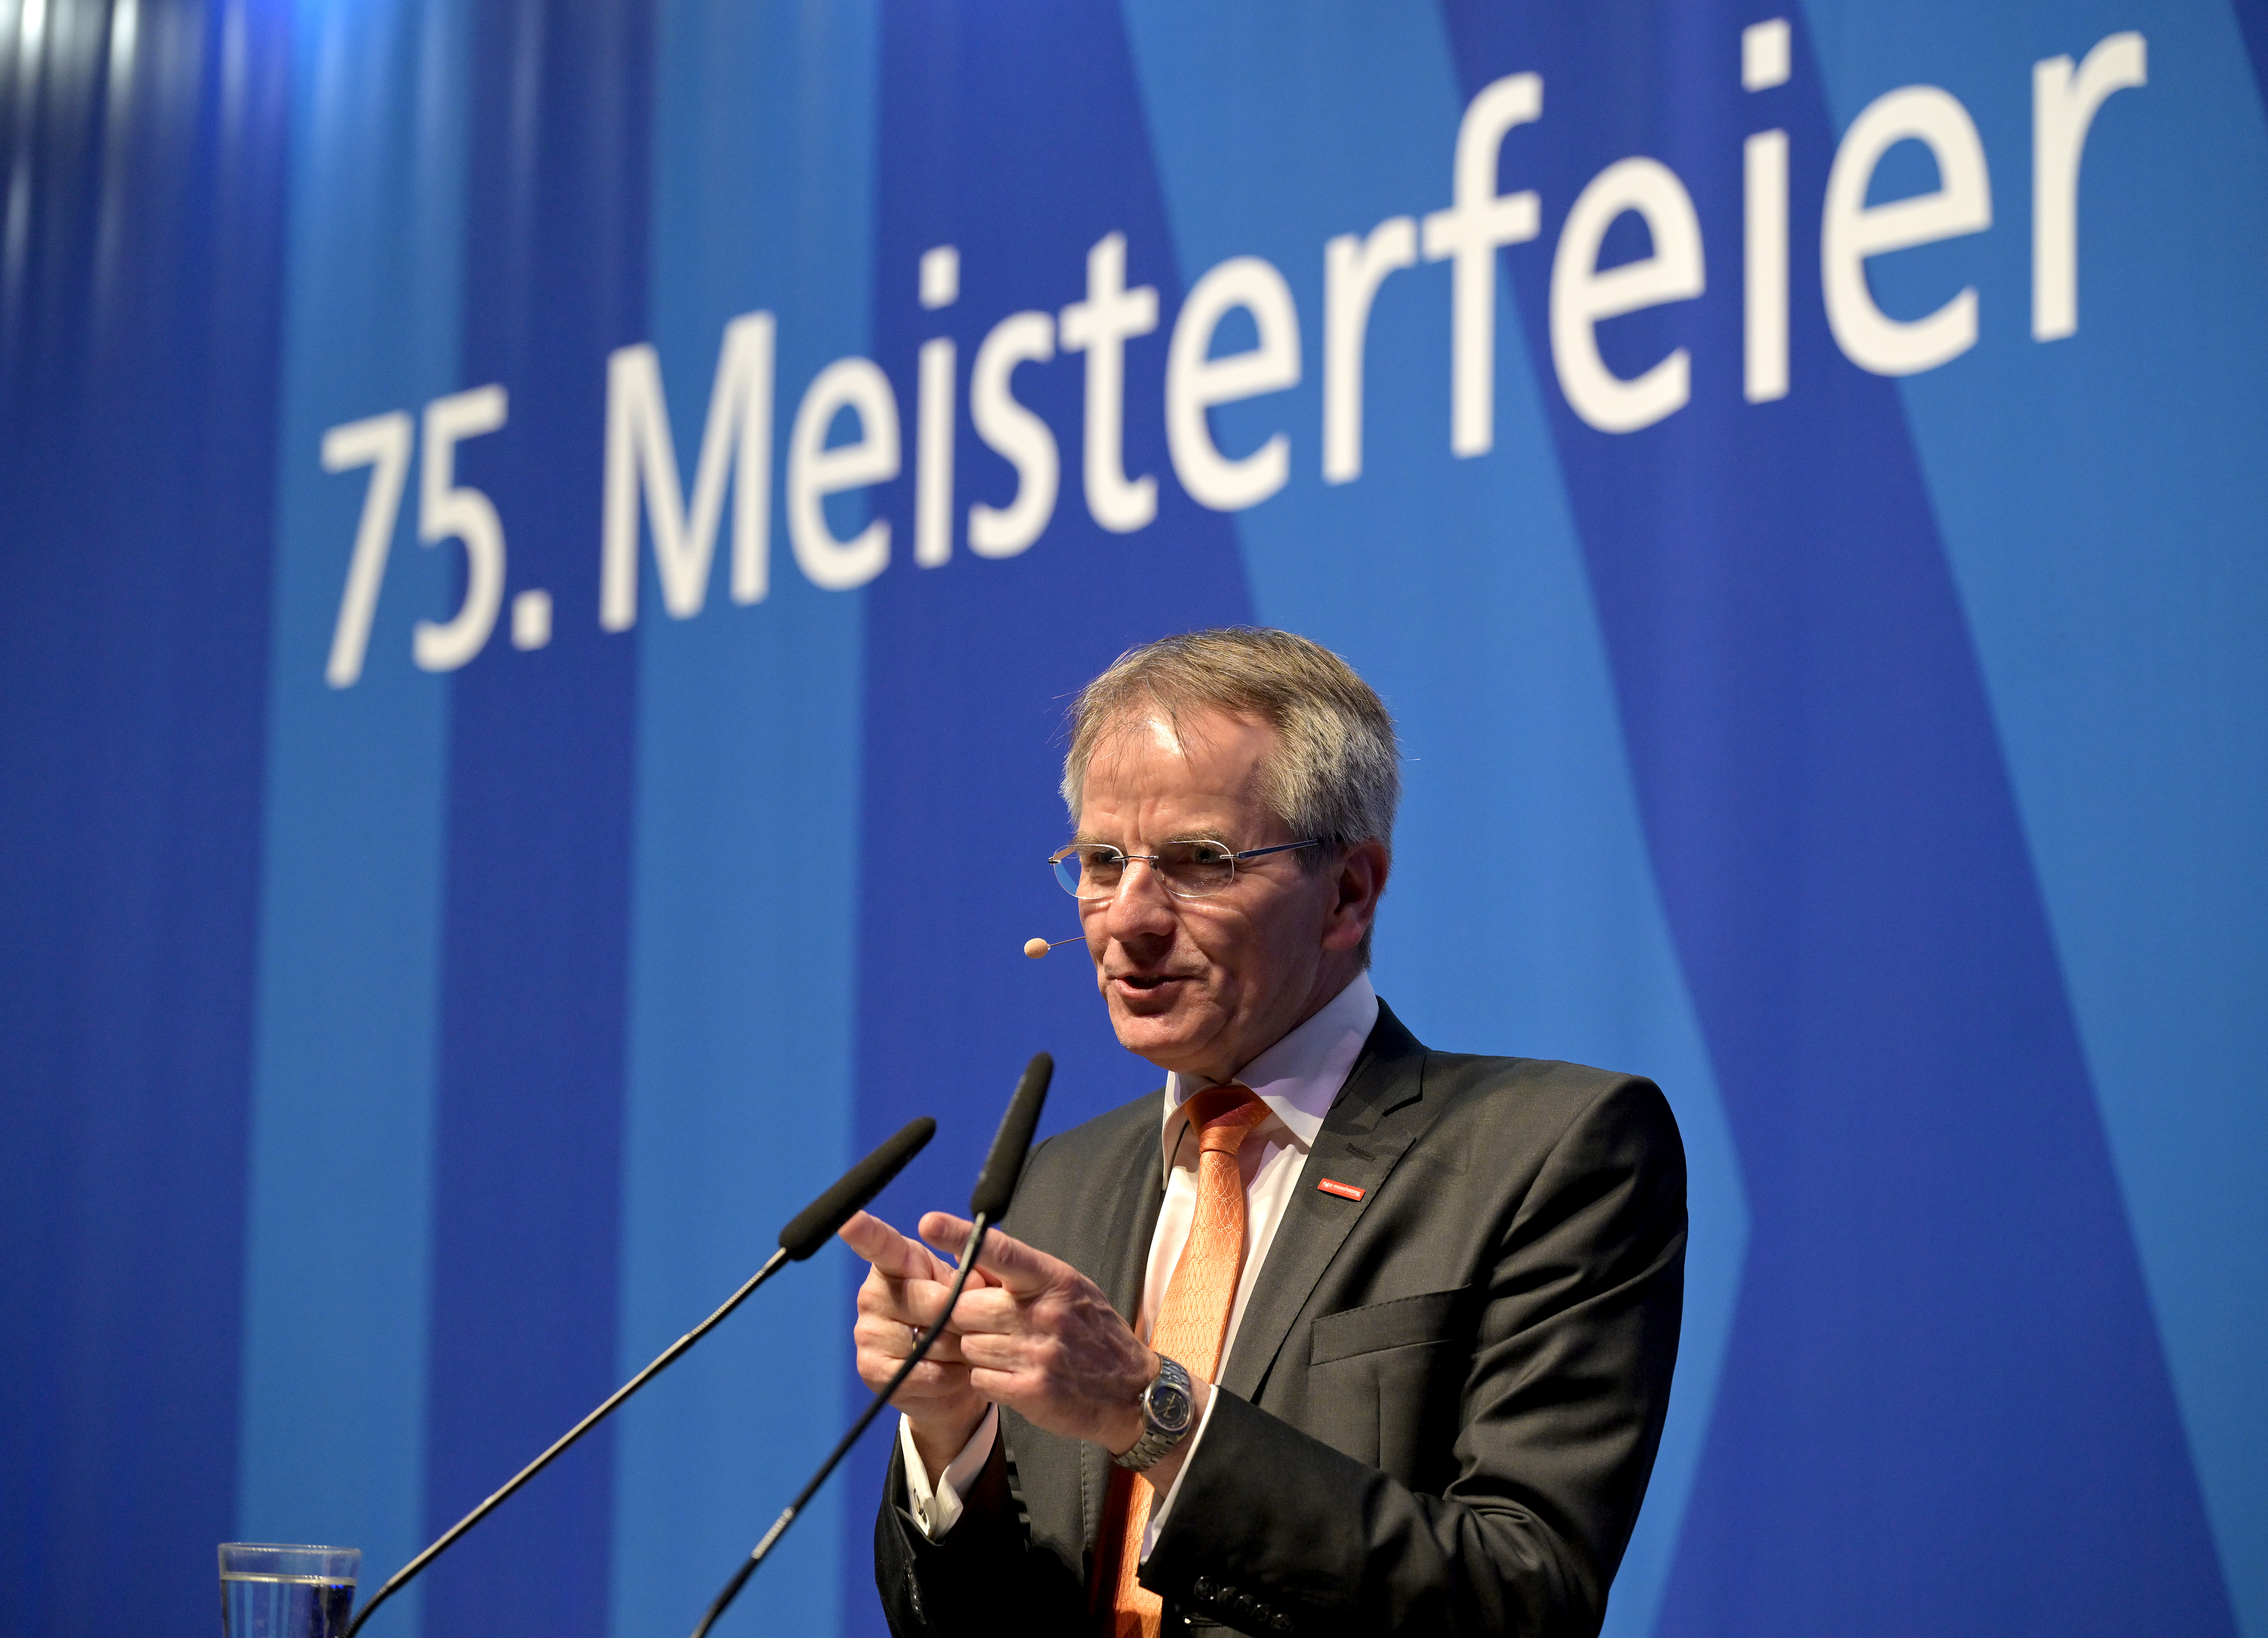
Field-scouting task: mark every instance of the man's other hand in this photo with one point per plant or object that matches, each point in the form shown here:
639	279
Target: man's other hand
905	1288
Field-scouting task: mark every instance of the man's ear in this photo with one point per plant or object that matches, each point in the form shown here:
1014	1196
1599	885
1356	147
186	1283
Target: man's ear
1357	880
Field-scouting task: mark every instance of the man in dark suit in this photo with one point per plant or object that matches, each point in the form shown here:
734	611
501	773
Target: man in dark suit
1414	1313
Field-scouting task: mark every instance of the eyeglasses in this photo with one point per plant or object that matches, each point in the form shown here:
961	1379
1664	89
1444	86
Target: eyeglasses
1187	869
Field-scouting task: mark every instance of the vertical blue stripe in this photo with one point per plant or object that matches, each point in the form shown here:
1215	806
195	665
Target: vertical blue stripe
2251	19
1014	131
337	1272
140	281
1522	916
2101	497
1944	1404
528	1170
744	865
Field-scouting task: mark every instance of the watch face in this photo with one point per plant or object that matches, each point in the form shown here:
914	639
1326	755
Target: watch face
1169	1406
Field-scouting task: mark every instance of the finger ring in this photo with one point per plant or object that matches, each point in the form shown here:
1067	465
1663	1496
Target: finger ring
913	1333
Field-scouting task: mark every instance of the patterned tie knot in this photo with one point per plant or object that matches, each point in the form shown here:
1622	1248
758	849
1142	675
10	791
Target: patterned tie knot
1224	1117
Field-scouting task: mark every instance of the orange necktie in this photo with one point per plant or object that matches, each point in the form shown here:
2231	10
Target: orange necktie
1193	1319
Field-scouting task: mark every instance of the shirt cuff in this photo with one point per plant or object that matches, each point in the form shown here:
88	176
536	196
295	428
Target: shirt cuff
1158	1509
937	1507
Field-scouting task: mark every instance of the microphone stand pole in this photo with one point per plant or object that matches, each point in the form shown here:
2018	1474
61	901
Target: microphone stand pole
409	1572
995	1187
756	1558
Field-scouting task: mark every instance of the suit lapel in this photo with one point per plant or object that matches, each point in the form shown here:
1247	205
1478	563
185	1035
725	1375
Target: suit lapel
1376	1116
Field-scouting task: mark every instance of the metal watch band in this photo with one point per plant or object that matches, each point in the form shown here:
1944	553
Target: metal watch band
1157	1438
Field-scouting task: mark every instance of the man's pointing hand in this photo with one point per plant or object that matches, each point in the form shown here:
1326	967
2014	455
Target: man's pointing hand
904	1292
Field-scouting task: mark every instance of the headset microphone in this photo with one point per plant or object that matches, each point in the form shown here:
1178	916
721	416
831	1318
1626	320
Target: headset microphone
1037	948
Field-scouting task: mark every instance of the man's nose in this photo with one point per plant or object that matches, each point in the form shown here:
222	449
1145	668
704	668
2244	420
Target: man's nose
1141	900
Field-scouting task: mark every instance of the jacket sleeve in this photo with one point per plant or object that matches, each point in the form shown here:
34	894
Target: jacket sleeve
1560	1413
985	1578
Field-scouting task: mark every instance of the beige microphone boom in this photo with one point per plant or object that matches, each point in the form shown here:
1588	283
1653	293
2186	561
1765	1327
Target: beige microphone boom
1037	948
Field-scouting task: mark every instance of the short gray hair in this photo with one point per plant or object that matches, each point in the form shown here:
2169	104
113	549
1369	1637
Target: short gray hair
1337	774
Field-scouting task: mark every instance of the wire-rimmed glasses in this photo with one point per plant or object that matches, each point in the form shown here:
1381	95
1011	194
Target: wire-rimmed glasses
1196	869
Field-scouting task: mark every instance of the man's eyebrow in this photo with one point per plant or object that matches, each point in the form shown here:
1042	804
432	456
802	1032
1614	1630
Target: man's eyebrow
1087	838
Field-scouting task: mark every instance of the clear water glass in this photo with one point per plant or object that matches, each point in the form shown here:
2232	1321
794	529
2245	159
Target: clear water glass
271	1590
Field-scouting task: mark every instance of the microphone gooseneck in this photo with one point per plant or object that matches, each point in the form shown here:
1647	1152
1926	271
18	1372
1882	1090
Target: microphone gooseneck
806	1233
995	1185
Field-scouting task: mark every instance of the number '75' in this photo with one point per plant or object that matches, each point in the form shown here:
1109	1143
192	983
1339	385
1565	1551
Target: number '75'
445	510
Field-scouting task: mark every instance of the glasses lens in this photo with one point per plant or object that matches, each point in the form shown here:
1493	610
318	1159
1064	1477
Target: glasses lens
1089	871
1194	869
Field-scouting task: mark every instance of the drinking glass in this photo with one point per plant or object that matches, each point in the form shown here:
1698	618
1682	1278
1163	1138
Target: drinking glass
272	1591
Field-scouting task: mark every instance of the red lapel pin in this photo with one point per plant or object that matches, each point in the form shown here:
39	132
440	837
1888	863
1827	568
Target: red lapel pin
1344	1190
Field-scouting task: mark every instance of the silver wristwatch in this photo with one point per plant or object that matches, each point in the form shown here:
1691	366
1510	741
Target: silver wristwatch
1168	1411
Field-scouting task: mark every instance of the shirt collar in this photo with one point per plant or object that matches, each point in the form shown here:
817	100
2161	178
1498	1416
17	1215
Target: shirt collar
1299	1076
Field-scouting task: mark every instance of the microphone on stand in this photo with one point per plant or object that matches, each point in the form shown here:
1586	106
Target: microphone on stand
995	1187
809	1229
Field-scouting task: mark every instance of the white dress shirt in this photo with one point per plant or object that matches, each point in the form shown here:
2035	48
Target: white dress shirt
1298	1078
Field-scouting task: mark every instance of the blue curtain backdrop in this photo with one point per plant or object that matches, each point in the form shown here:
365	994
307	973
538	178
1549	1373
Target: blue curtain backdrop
544	544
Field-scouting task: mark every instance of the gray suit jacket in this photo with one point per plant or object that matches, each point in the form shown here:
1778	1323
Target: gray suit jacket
1443	1400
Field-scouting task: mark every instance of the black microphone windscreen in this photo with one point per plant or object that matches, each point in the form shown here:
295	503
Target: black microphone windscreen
996	1184
816	1223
